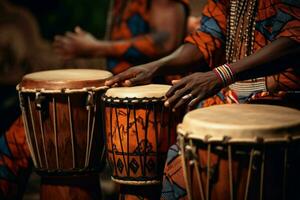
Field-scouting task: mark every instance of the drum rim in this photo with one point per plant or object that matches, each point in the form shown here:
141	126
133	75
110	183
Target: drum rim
135	181
132	100
68	86
136	95
288	133
60	91
228	140
68	172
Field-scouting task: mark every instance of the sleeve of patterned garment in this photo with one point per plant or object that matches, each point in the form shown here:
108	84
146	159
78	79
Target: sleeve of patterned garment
15	162
167	22
279	18
211	36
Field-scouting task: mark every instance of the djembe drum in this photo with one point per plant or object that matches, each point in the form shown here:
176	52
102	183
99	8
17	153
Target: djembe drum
241	152
139	131
63	128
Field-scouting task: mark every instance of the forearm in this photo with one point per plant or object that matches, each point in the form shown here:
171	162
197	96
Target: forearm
150	45
187	58
271	59
167	23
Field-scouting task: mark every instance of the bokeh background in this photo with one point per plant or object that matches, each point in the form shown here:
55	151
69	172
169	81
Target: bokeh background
57	16
27	29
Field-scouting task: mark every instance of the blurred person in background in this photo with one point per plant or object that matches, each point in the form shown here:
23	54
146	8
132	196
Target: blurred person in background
22	50
141	31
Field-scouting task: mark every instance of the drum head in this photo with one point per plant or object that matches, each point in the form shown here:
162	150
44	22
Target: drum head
242	123
65	79
144	91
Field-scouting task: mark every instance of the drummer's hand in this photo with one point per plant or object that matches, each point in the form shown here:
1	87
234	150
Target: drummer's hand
190	90
175	81
75	44
138	75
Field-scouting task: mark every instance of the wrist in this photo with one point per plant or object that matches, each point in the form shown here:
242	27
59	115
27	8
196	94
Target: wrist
225	74
158	67
101	48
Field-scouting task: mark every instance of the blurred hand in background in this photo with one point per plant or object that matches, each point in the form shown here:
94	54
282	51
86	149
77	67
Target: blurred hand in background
75	44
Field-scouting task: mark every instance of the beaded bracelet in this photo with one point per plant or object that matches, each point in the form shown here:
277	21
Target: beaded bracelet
225	74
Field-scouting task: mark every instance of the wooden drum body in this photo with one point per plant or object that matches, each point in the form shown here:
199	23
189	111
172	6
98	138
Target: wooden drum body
139	131
62	121
241	152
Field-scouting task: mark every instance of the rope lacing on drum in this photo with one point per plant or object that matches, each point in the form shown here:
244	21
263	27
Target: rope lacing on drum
132	100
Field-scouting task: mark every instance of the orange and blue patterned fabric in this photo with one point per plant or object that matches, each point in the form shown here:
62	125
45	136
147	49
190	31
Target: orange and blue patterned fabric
275	18
15	162
131	19
174	187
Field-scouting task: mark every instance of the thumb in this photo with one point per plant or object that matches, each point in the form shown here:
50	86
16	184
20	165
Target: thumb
175	81
137	80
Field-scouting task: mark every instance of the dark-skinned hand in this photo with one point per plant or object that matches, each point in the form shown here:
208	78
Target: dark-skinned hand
75	44
138	75
190	90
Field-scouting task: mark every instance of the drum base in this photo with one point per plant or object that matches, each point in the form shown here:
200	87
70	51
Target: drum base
70	188
136	182
149	192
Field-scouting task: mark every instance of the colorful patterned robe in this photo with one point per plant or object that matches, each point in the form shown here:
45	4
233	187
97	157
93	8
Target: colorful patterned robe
274	19
131	20
15	162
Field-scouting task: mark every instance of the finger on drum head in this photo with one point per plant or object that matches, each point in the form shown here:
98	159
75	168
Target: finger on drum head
175	81
113	80
128	83
193	103
179	104
178	94
138	80
201	96
115	85
175	87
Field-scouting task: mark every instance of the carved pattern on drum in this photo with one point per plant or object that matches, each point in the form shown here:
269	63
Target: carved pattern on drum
150	165
120	165
143	146
138	136
134	165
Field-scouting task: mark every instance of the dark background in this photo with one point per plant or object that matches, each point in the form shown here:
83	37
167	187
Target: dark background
53	17
50	17
58	16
